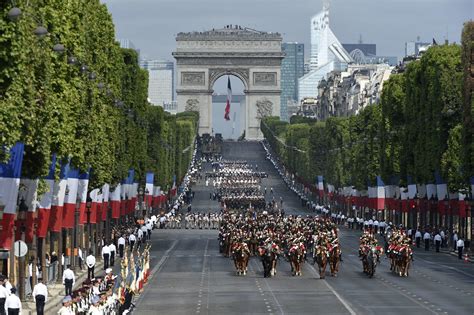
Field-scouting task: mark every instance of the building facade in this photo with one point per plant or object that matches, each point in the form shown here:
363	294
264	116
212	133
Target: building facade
292	68
343	94
327	54
160	81
414	48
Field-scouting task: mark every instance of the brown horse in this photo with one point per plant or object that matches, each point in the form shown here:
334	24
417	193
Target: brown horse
296	256
334	259
241	255
403	261
320	256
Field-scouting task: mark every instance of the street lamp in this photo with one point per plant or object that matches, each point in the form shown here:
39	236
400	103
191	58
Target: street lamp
59	48
14	14
40	31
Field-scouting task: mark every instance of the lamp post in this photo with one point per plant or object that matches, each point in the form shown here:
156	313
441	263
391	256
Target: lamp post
22	210
89	231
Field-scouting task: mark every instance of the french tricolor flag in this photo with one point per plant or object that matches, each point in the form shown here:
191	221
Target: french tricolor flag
149	188
45	202
105	197
442	192
115	200
229	100
71	198
320	183
83	185
29	196
10	174
380	194
123	198
156	196
133	204
59	193
94	195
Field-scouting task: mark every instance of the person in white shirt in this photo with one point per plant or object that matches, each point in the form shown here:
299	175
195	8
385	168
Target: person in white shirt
455	239
427	238
40	295
132	239
418	238
443	238
4	293
112	249
90	262
121	245
80	255
13	304
68	279
106	256
437	240
460	245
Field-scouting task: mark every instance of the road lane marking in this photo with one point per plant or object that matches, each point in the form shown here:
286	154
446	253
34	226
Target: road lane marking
156	269
270	290
343	301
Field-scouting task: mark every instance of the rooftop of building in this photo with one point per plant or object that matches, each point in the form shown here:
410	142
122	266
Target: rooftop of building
229	32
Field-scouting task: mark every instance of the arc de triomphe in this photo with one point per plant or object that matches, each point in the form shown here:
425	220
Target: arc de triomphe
253	56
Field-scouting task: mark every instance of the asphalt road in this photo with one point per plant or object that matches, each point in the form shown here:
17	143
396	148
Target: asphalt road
189	276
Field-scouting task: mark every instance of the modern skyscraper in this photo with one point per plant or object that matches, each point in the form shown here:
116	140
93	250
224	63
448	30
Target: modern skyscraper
292	68
160	81
327	54
414	48
128	44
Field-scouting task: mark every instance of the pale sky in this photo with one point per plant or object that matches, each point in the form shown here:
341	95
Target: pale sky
152	24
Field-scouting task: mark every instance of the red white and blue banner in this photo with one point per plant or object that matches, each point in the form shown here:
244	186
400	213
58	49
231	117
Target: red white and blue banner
105	197
94	195
320	185
404	199
442	193
149	188
45	202
380	194
59	193
115	200
28	194
134	197
10	174
70	198
430	191
229	100
156	196
82	188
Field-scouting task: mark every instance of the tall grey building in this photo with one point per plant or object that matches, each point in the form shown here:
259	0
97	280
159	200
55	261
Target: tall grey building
160	81
292	68
128	44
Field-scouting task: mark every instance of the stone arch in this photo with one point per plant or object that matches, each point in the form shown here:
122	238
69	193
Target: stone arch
242	74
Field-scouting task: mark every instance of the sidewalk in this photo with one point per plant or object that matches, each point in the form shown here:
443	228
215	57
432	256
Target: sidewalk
56	292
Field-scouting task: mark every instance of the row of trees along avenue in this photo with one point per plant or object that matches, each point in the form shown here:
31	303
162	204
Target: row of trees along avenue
423	125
